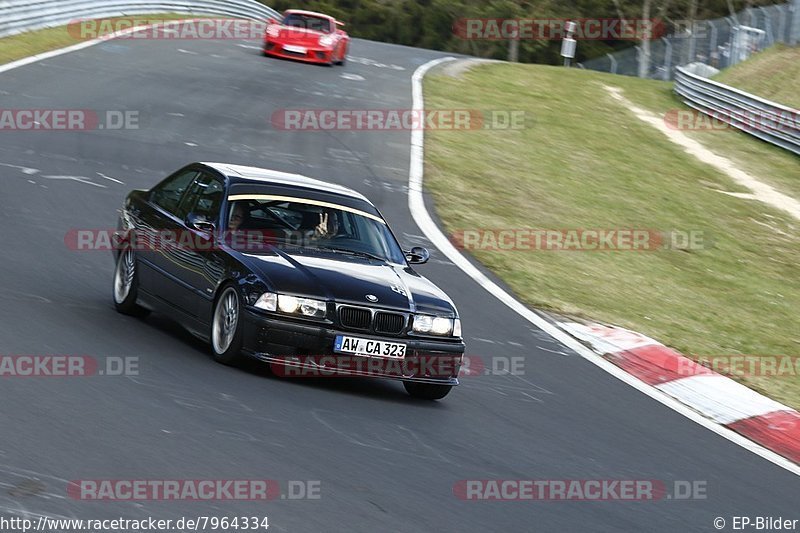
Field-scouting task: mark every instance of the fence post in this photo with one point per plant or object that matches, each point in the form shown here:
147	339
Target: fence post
768	26
642	73
712	45
692	42
782	22
794	30
667	59
734	24
613	63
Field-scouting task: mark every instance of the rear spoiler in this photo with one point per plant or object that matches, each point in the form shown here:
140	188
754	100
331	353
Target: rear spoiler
339	23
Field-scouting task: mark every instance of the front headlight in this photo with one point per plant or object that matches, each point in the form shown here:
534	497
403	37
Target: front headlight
127	220
293	305
435	325
325	40
273	31
267	301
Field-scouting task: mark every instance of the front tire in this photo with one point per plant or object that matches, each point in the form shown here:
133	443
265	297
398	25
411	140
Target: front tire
427	391
126	285
343	59
226	327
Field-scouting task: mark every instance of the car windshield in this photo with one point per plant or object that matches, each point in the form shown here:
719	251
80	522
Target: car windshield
256	225
308	22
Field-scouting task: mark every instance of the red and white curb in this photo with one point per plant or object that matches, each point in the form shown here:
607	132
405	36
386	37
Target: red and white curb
718	398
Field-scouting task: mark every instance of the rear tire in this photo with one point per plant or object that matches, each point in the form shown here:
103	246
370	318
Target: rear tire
126	285
226	327
427	391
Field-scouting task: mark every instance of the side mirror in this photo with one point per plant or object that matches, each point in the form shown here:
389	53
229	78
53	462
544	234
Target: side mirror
200	223
418	255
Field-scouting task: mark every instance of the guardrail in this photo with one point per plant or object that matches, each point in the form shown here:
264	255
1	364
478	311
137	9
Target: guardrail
769	121
17	16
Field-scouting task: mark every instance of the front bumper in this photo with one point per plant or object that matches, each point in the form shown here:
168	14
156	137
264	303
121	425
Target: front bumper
313	54
306	350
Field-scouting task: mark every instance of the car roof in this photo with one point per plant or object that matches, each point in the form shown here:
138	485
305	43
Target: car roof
310	13
254	175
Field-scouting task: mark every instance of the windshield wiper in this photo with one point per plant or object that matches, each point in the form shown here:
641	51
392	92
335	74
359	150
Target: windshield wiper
351	252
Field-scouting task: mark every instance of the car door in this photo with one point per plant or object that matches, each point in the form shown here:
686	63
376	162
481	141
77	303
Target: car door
158	220
200	263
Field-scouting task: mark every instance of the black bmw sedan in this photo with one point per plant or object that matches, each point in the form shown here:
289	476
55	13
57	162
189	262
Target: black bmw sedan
299	273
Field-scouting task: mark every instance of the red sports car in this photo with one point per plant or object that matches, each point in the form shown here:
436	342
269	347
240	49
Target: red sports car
307	36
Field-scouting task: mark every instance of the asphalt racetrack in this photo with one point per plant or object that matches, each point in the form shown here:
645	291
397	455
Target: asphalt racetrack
384	462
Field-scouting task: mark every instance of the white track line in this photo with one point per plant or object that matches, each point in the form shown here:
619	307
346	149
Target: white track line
80	46
416	204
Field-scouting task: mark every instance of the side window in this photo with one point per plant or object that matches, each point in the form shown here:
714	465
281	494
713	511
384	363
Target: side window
348	226
167	194
204	199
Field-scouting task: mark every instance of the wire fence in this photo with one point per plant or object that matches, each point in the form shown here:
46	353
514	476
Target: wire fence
721	43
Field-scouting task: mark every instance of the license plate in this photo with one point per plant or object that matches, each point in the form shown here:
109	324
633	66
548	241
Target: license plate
369	347
295	49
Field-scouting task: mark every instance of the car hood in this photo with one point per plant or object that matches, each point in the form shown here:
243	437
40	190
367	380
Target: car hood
350	280
301	36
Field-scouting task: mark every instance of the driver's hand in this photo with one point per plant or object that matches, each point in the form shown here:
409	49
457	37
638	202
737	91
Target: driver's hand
322	229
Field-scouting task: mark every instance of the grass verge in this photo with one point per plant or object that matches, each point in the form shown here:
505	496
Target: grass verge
772	74
586	162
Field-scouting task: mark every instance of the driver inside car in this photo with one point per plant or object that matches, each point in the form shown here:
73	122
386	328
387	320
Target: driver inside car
238	217
240	230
